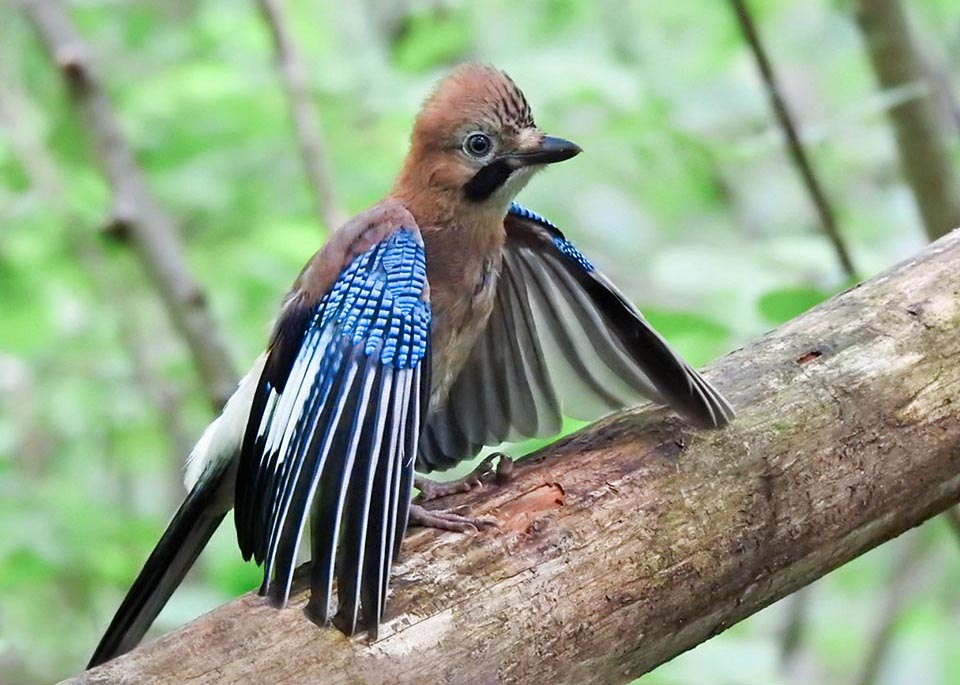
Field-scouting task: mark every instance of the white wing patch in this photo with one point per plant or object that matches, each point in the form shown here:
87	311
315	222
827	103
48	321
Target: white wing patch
222	439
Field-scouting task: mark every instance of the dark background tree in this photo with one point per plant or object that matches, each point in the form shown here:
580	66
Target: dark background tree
685	194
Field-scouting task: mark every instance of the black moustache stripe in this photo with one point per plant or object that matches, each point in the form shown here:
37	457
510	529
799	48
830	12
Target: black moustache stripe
486	181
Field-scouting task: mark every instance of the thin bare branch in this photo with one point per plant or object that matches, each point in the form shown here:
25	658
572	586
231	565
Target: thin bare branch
798	154
923	142
166	399
48	183
938	75
309	136
795	627
136	218
953	520
903	583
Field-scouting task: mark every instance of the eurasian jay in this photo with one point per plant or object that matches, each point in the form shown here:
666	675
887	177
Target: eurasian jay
444	318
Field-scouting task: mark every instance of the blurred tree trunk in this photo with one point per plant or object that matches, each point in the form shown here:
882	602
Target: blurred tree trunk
923	141
46	180
923	138
137	218
953	520
637	538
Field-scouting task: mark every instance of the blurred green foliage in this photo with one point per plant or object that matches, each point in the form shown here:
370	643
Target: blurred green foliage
684	195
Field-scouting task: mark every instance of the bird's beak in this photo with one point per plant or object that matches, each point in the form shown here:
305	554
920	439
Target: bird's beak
548	151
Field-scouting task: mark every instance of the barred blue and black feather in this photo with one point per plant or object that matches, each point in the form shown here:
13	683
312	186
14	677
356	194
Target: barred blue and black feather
521	212
332	435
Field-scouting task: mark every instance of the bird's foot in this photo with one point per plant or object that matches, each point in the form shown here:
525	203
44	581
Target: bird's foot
449	520
442	519
431	489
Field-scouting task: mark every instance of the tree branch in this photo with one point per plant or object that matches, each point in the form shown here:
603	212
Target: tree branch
45	179
167	400
828	221
136	215
922	141
309	136
635	539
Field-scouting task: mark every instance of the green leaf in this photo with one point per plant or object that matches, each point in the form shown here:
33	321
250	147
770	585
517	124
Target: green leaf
781	305
697	338
428	39
25	567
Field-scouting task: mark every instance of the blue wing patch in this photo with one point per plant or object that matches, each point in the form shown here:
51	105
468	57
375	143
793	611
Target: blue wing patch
566	248
378	301
519	210
336	440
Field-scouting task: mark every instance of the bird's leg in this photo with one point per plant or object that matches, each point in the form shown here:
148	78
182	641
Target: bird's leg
448	520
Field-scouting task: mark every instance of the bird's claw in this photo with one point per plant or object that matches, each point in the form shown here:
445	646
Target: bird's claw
448	520
430	489
444	519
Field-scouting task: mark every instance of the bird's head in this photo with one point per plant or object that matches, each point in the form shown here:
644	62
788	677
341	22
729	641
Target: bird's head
475	140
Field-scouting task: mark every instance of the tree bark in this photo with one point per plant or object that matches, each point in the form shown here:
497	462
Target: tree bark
922	139
136	218
637	538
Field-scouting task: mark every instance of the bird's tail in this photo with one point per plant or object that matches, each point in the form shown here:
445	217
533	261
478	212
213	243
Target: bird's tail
181	544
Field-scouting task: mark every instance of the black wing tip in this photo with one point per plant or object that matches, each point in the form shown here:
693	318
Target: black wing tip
174	554
104	653
708	421
347	620
705	407
351	623
266	587
317	613
275	597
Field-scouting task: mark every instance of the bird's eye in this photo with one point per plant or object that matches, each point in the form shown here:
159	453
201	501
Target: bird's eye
477	145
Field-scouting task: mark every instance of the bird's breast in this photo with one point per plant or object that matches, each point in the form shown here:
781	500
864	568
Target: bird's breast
463	286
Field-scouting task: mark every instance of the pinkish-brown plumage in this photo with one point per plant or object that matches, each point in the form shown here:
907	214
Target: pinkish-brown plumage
353	238
442	319
473	98
464	240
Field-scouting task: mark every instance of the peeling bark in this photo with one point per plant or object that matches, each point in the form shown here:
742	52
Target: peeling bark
637	538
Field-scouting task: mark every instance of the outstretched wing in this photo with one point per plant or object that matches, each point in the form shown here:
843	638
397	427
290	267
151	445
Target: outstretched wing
334	428
558	324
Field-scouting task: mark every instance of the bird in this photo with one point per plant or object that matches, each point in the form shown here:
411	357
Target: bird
445	318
